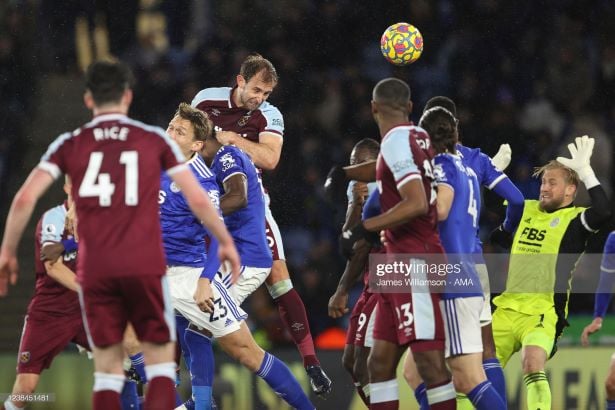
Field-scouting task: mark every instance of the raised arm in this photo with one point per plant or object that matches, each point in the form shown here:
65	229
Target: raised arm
21	210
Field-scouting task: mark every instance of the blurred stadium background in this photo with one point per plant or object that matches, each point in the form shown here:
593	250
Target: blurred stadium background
534	74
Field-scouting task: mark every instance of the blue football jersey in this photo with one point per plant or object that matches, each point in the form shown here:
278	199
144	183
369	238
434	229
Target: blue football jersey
371	207
458	231
183	235
486	173
246	225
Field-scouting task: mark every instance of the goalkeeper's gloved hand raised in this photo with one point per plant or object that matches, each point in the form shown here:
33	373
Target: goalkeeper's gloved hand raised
581	152
502	158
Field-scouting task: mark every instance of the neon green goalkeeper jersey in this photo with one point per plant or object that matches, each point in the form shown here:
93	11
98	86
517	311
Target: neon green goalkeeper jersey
545	250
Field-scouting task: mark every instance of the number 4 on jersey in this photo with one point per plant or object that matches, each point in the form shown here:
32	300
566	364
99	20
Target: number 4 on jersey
98	184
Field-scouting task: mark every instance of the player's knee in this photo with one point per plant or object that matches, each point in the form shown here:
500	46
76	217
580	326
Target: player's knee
609	385
279	271
360	368
412	377
25	383
280	288
380	368
431	367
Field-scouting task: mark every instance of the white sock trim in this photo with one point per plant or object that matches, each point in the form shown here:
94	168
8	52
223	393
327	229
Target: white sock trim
441	393
384	391
166	369
9	405
108	381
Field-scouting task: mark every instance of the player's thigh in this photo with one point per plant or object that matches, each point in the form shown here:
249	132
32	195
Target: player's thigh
540	330
149	308
42	339
279	272
462	325
251	279
226	317
504	335
106	315
364	336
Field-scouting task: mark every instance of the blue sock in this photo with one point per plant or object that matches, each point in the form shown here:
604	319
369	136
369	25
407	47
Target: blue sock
201	368
129	396
484	397
138	363
421	396
181	324
610	405
495	374
281	380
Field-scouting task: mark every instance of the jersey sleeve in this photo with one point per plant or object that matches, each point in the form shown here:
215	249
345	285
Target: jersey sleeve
607	278
444	171
351	184
488	174
52	225
371	207
274	122
397	155
54	160
227	164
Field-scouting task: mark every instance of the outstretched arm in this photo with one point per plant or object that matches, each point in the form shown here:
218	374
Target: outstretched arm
21	210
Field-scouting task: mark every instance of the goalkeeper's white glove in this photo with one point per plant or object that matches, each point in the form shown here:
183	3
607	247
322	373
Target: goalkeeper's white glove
501	159
581	152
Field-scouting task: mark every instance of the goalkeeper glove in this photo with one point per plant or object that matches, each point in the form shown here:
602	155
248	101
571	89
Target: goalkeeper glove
501	159
581	152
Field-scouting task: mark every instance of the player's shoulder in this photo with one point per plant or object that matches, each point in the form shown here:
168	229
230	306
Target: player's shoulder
199	167
469	153
55	212
268	109
212	94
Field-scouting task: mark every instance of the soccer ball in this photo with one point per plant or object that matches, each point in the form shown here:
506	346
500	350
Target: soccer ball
401	44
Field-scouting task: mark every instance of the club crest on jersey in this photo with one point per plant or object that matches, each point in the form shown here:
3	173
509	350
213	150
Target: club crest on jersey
244	120
50	229
174	187
554	222
227	161
24	357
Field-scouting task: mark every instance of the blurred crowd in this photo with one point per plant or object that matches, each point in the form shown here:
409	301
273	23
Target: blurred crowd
531	74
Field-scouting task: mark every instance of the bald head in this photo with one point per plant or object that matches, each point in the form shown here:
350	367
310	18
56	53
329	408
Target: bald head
392	92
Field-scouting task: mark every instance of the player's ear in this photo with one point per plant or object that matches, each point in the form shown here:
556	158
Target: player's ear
409	106
241	81
127	97
88	100
374	107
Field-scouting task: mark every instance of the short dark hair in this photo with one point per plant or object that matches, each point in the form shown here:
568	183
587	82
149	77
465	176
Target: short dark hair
369	145
392	92
107	81
442	101
256	63
203	127
441	126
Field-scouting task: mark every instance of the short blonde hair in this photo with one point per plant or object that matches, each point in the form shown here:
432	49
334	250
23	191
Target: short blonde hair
570	175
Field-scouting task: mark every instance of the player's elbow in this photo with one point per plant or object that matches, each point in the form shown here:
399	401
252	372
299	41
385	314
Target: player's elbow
24	199
269	164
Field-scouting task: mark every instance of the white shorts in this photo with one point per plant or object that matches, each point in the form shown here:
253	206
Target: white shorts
227	315
250	279
462	325
483	276
274	238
